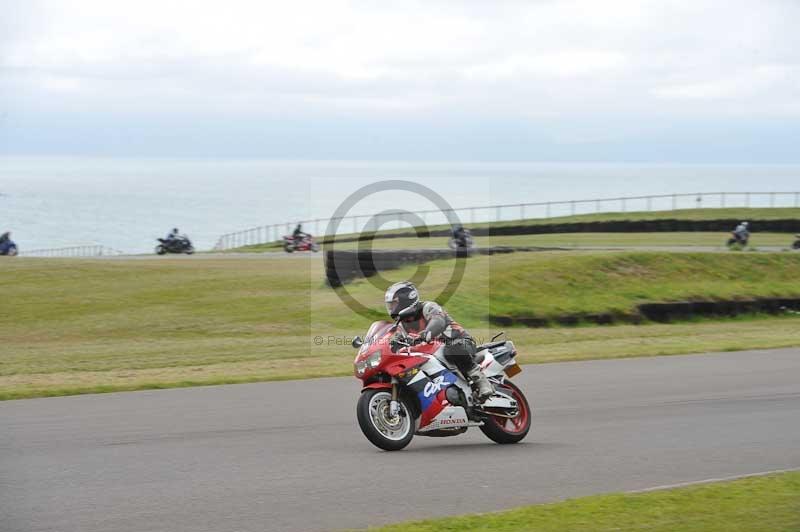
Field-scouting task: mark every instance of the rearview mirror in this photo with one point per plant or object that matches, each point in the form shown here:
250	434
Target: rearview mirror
357	342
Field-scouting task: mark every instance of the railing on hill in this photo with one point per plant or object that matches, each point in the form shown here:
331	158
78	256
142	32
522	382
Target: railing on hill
519	211
94	250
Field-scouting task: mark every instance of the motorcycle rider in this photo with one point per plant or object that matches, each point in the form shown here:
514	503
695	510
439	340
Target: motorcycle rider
741	232
5	242
459	233
431	322
298	234
173	235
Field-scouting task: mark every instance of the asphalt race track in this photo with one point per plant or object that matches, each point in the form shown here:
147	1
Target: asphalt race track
290	456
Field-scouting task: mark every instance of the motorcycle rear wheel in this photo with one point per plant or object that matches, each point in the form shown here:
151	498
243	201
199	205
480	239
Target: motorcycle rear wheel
385	432
504	430
288	248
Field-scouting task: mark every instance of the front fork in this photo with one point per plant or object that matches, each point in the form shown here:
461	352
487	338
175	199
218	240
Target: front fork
394	404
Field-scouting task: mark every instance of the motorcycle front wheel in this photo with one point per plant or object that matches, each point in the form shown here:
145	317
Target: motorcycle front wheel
384	431
796	245
510	430
160	250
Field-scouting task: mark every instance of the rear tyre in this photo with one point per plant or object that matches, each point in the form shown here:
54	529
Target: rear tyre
384	431
504	430
189	250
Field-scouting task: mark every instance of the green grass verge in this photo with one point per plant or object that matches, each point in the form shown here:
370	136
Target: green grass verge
84	326
767	503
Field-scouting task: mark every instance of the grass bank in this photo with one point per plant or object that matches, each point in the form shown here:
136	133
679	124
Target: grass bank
769	503
83	326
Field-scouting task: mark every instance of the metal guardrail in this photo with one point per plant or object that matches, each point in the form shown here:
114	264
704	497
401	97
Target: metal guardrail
525	211
73	251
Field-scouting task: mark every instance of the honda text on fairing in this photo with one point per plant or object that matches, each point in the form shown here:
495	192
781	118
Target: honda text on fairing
304	243
410	388
180	244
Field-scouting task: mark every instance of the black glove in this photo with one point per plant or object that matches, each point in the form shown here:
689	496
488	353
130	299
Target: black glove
418	340
398	341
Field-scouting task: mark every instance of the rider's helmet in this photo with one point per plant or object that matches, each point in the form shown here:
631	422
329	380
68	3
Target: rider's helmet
175	230
401	296
745	224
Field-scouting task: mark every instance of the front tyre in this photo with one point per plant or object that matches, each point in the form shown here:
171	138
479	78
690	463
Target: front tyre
384	431
160	250
513	430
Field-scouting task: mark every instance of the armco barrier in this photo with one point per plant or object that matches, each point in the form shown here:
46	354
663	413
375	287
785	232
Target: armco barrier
660	312
344	266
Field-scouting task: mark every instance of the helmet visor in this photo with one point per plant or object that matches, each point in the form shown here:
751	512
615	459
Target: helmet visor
393	306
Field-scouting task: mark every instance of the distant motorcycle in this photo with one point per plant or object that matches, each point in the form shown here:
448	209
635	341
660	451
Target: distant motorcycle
306	243
182	244
462	240
796	244
737	239
8	248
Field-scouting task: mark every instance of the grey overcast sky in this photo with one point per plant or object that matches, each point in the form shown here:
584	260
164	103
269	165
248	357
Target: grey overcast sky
546	80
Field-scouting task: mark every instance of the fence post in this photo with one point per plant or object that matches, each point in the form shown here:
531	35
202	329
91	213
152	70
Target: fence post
771	199
572	207
674	202
624	205
747	199
472	212
722	199
796	198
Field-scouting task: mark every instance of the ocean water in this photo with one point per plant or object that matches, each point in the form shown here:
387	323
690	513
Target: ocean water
50	202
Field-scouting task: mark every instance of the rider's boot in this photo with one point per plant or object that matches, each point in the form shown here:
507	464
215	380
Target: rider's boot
483	388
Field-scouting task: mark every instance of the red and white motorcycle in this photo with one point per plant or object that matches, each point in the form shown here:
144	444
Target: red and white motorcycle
414	390
306	243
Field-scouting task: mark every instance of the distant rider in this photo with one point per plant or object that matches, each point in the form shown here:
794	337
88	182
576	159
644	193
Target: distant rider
298	234
431	322
5	237
741	232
